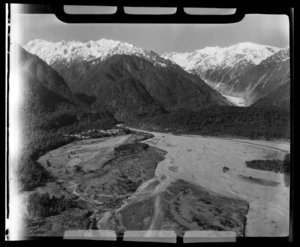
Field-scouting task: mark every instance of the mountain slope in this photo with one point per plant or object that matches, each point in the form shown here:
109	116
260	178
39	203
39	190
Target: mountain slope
44	91
217	65
47	100
170	88
262	79
73	60
48	108
279	97
245	70
149	83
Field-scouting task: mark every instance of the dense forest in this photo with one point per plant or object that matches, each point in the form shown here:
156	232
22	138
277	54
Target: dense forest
271	165
249	122
42	205
44	134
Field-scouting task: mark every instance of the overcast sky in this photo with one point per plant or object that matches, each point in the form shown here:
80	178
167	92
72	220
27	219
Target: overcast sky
262	29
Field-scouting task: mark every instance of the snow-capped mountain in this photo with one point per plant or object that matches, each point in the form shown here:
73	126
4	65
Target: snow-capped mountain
74	60
100	50
212	57
262	79
125	79
280	56
231	70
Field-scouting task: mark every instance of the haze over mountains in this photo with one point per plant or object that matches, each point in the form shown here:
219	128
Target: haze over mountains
130	81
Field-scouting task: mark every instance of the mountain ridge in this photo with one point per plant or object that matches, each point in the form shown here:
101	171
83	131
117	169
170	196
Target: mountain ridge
262	79
88	51
218	56
240	70
48	103
164	81
234	71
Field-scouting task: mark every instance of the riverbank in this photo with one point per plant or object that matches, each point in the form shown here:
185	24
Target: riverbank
201	160
92	176
112	184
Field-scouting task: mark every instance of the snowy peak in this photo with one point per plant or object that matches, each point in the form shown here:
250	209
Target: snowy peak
232	70
214	57
254	53
100	49
279	56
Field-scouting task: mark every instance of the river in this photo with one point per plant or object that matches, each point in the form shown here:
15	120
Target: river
200	160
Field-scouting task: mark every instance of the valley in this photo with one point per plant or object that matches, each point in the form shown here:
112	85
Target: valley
244	73
205	145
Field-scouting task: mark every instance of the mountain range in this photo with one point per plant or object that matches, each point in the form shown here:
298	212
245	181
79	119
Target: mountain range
125	79
130	81
246	70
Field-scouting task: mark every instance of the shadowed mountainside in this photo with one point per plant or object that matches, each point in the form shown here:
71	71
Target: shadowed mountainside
47	105
279	98
128	81
170	87
263	79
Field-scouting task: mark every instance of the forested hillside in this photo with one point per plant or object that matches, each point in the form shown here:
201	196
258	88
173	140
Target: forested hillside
47	106
249	122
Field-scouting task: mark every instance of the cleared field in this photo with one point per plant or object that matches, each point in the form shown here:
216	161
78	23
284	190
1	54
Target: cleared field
97	177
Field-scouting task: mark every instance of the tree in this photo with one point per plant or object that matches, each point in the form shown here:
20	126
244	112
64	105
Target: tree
286	164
